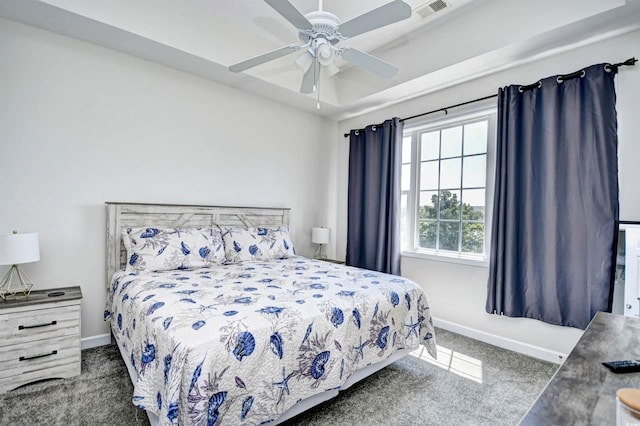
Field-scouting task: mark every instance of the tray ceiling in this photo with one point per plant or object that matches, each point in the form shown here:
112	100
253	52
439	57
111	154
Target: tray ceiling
466	40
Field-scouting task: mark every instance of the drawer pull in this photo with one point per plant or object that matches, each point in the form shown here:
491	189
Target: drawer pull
27	358
23	327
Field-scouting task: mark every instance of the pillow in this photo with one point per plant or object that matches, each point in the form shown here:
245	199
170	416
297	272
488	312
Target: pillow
257	244
154	249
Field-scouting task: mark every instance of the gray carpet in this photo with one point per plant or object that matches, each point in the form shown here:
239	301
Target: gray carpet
473	384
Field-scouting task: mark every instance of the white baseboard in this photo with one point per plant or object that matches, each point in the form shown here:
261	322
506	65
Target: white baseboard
501	342
99	340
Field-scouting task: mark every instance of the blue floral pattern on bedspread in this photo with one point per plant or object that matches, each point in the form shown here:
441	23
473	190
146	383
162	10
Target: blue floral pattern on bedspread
242	343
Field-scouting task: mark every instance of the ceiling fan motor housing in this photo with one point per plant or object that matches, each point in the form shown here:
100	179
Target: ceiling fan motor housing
324	24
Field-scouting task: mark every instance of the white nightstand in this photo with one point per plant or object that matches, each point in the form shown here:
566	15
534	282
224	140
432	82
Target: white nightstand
40	337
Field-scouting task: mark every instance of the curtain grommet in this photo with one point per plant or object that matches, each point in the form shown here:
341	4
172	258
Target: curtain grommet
537	85
560	78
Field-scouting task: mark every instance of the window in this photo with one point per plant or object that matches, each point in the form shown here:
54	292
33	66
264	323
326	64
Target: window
447	174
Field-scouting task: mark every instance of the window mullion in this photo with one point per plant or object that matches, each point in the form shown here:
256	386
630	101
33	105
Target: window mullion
461	204
439	190
414	190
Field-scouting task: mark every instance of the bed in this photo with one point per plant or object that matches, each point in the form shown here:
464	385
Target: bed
219	322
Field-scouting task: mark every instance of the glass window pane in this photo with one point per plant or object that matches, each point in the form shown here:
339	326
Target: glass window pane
449	235
450	173
427	233
475	171
405	177
404	199
406	150
449	204
429	175
475	138
473	204
430	149
473	238
452	142
428	205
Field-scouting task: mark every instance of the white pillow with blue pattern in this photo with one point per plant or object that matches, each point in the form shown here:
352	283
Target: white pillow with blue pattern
157	249
242	244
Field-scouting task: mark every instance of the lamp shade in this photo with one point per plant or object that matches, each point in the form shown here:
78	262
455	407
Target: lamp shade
19	248
320	235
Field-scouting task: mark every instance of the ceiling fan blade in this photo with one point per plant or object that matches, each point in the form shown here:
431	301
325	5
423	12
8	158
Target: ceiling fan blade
367	62
265	57
310	78
290	13
386	14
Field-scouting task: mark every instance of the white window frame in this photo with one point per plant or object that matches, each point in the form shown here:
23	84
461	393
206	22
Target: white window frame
481	110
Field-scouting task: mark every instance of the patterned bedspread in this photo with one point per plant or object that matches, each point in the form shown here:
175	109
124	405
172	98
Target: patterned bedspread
242	343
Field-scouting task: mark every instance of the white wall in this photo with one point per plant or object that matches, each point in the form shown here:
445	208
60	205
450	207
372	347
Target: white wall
457	293
81	125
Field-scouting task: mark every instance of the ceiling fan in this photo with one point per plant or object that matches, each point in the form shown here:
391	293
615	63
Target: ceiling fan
321	31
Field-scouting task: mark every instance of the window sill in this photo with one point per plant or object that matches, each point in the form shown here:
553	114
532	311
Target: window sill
447	258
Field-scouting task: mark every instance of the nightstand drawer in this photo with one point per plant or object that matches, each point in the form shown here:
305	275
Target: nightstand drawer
38	324
44	359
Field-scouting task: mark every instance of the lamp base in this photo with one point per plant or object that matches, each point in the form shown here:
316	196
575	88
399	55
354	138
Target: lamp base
9	291
318	254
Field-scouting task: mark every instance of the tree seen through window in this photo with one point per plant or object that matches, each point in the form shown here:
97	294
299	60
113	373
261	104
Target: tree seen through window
455	230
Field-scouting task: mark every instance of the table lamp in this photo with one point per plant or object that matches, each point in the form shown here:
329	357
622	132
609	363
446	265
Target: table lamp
16	249
320	236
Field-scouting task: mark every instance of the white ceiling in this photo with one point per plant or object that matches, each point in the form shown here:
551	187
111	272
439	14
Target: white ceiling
467	40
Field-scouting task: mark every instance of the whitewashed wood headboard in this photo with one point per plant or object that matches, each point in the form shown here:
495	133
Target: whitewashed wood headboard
125	215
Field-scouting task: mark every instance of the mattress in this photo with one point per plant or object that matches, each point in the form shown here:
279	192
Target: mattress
243	343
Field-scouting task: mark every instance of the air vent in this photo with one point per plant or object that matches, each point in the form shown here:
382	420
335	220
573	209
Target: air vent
429	9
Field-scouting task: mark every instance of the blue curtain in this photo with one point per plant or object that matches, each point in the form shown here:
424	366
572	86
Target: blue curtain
555	209
373	222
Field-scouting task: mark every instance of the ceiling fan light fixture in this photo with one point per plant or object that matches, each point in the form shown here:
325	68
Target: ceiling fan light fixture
332	69
325	54
304	61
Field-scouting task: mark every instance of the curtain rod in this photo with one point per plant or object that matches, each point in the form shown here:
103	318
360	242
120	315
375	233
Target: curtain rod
629	62
436	110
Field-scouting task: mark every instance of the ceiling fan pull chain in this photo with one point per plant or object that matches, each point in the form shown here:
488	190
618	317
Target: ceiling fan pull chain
318	92
315	70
